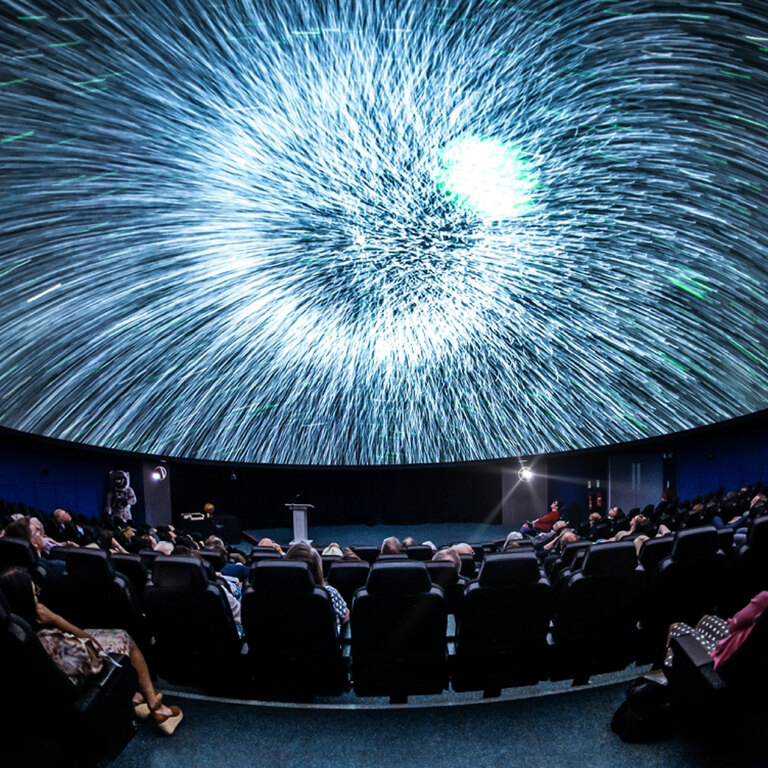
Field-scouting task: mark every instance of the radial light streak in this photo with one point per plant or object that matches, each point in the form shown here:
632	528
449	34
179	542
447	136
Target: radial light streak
268	247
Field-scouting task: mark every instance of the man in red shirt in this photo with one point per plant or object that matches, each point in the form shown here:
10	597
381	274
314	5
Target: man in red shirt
544	523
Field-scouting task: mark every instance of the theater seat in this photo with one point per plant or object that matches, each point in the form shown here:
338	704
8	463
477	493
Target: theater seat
398	633
711	698
290	629
94	594
40	702
501	637
685	586
444	574
196	640
348	576
595	626
747	573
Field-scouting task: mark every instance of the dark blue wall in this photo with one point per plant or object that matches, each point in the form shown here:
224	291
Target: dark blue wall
46	475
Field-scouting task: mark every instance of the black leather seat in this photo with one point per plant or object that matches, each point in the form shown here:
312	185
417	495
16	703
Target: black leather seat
444	574
290	629
710	698
747	573
421	552
501	637
366	552
196	639
133	569
594	628
40	702
348	576
685	586
398	633
96	595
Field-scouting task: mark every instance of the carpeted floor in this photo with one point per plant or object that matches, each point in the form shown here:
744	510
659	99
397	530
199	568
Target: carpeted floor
558	731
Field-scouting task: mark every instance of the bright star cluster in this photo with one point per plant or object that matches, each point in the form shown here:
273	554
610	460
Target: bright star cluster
381	231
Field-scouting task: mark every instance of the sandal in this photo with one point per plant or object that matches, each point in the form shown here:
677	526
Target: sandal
167	723
142	709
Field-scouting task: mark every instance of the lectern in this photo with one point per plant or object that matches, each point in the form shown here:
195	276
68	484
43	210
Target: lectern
300	528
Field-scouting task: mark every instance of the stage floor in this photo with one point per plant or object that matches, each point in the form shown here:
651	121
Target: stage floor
440	534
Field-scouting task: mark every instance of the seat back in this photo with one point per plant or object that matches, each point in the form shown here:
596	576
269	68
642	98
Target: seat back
398	632
421	552
595	626
366	552
196	640
348	576
290	628
501	638
96	595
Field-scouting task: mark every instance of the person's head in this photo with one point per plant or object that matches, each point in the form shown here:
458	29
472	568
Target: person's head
512	541
637	521
19	529
267	542
61	515
19	590
209	509
595	517
391	546
306	554
104	539
463	548
449	555
214	541
559	525
615	512
333	549
178	549
36	534
350	555
556	505
409	541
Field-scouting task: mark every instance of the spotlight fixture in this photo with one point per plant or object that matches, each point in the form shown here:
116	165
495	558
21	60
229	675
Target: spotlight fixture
525	473
159	473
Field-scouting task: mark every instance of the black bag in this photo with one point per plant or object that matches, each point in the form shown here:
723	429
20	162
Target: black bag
644	716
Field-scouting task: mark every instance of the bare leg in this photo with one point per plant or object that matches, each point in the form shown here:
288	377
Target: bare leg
145	682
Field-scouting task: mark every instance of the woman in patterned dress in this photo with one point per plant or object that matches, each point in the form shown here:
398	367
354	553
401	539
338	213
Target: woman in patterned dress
60	640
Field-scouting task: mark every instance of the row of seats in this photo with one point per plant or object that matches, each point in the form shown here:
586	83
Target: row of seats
513	627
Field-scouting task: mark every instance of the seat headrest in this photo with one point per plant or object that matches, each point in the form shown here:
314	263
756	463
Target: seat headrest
407	577
509	569
285	576
177	572
87	564
614	557
758	534
16	551
695	544
442	572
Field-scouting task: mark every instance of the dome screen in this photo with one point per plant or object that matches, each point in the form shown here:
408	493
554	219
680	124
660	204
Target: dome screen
370	232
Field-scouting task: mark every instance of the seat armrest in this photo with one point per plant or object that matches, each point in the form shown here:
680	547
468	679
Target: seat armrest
695	652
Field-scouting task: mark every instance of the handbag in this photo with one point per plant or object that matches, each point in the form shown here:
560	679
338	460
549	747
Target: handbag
77	657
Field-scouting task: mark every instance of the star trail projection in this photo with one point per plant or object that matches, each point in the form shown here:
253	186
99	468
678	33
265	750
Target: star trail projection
381	232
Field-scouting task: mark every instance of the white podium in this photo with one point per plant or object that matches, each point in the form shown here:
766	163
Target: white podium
300	527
